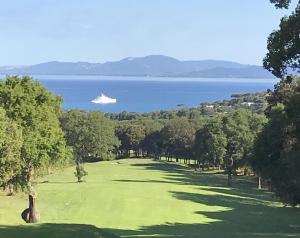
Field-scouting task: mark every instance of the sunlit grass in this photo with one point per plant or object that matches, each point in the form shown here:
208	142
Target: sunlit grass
141	197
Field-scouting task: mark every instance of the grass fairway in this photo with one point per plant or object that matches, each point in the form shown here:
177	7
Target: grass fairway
143	198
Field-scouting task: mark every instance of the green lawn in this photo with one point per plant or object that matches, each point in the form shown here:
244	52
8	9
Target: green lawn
143	198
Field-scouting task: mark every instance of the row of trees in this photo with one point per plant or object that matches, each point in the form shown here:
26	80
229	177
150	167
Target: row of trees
256	102
277	149
211	142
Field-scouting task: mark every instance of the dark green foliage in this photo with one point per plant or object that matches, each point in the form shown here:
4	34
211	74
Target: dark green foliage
178	136
241	128
152	144
277	150
284	44
210	143
131	134
281	3
90	134
214	141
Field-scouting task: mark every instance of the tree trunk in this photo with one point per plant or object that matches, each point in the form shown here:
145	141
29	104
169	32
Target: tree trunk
229	180
259	182
30	215
33	215
229	168
11	190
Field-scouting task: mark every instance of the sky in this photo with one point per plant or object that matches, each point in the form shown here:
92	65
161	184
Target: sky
36	31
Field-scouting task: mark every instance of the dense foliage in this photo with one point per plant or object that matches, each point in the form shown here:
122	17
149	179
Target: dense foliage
33	112
277	149
284	44
90	134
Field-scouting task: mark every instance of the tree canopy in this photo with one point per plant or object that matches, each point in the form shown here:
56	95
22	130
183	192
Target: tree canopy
35	110
277	150
281	3
90	134
284	44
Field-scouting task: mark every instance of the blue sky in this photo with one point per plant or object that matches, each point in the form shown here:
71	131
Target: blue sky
35	31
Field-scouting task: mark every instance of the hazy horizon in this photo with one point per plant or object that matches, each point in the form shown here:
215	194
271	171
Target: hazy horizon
79	61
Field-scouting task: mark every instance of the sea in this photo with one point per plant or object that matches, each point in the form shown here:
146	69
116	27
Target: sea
146	94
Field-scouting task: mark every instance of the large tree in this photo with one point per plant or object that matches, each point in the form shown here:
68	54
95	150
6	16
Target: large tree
277	149
36	111
284	44
131	134
90	134
241	129
210	143
178	137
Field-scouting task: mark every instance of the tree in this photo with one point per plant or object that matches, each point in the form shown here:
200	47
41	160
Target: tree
284	44
131	134
90	134
153	144
277	149
36	111
210	143
177	138
281	3
241	129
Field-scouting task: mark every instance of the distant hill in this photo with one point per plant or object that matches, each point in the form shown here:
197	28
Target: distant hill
152	65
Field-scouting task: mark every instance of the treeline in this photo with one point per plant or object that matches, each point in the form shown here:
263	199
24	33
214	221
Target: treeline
277	148
210	142
256	102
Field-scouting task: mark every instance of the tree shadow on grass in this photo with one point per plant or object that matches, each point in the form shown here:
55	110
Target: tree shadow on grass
52	230
55	182
182	175
231	217
240	211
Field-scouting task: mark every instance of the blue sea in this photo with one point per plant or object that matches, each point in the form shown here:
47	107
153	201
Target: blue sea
145	94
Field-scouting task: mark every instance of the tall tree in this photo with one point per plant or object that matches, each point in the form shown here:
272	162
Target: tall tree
36	110
178	136
277	150
284	44
210	143
131	134
90	134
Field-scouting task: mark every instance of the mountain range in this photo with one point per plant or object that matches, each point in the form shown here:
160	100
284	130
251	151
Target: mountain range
152	65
